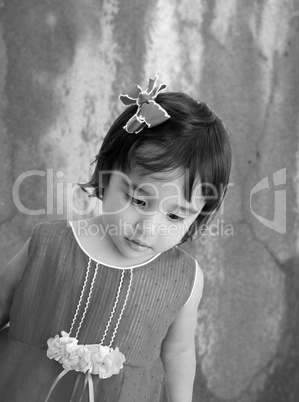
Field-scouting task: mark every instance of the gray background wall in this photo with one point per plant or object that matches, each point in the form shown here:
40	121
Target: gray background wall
62	66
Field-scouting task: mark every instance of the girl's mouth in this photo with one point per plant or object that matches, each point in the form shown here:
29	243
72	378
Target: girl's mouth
136	244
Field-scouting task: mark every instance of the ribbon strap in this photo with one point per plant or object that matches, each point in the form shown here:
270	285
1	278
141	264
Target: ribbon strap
58	378
149	112
87	380
90	387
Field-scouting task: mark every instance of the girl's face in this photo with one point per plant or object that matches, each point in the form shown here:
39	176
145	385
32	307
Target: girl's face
146	215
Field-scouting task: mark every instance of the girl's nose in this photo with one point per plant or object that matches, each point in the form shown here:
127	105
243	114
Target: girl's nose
148	225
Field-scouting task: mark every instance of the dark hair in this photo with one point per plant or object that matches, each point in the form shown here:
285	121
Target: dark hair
194	139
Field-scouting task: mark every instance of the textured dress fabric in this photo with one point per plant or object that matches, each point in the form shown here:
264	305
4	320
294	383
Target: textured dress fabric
44	305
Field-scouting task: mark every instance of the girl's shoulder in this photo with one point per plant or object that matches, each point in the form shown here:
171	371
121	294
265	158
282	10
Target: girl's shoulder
50	228
181	263
180	255
47	233
187	265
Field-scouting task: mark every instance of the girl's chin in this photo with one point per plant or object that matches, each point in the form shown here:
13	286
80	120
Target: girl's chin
134	253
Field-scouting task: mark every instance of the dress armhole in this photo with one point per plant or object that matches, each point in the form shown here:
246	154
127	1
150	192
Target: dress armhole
198	282
12	274
10	277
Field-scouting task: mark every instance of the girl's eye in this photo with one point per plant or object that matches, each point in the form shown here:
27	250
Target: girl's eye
136	201
175	218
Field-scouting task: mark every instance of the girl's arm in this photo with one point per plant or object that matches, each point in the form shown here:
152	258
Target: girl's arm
178	350
10	277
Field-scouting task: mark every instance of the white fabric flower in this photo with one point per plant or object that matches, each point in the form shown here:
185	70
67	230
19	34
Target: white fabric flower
96	359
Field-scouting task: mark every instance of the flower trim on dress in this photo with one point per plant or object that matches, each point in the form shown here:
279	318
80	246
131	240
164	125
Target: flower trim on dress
103	361
96	359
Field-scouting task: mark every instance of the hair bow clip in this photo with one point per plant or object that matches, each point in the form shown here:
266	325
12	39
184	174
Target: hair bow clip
149	112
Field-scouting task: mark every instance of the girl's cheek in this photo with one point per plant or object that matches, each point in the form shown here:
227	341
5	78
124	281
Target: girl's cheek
129	213
123	204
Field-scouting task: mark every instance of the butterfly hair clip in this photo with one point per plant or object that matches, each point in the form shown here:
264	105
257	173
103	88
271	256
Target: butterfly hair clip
149	112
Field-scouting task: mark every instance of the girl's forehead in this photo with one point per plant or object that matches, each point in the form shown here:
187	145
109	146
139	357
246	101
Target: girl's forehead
160	179
161	176
163	184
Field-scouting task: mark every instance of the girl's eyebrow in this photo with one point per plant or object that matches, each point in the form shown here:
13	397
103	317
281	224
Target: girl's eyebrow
135	187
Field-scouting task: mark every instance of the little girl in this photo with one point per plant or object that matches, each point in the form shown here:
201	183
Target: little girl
105	309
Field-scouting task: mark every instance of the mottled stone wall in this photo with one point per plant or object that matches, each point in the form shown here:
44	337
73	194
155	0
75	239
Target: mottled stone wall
62	66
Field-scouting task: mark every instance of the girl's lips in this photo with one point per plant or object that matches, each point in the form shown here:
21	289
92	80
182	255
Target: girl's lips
139	242
136	245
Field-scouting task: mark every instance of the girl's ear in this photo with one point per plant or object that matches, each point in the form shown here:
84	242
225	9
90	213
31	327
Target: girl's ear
103	183
101	193
101	188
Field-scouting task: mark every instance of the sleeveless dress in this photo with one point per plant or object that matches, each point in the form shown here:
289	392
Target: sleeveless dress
44	305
